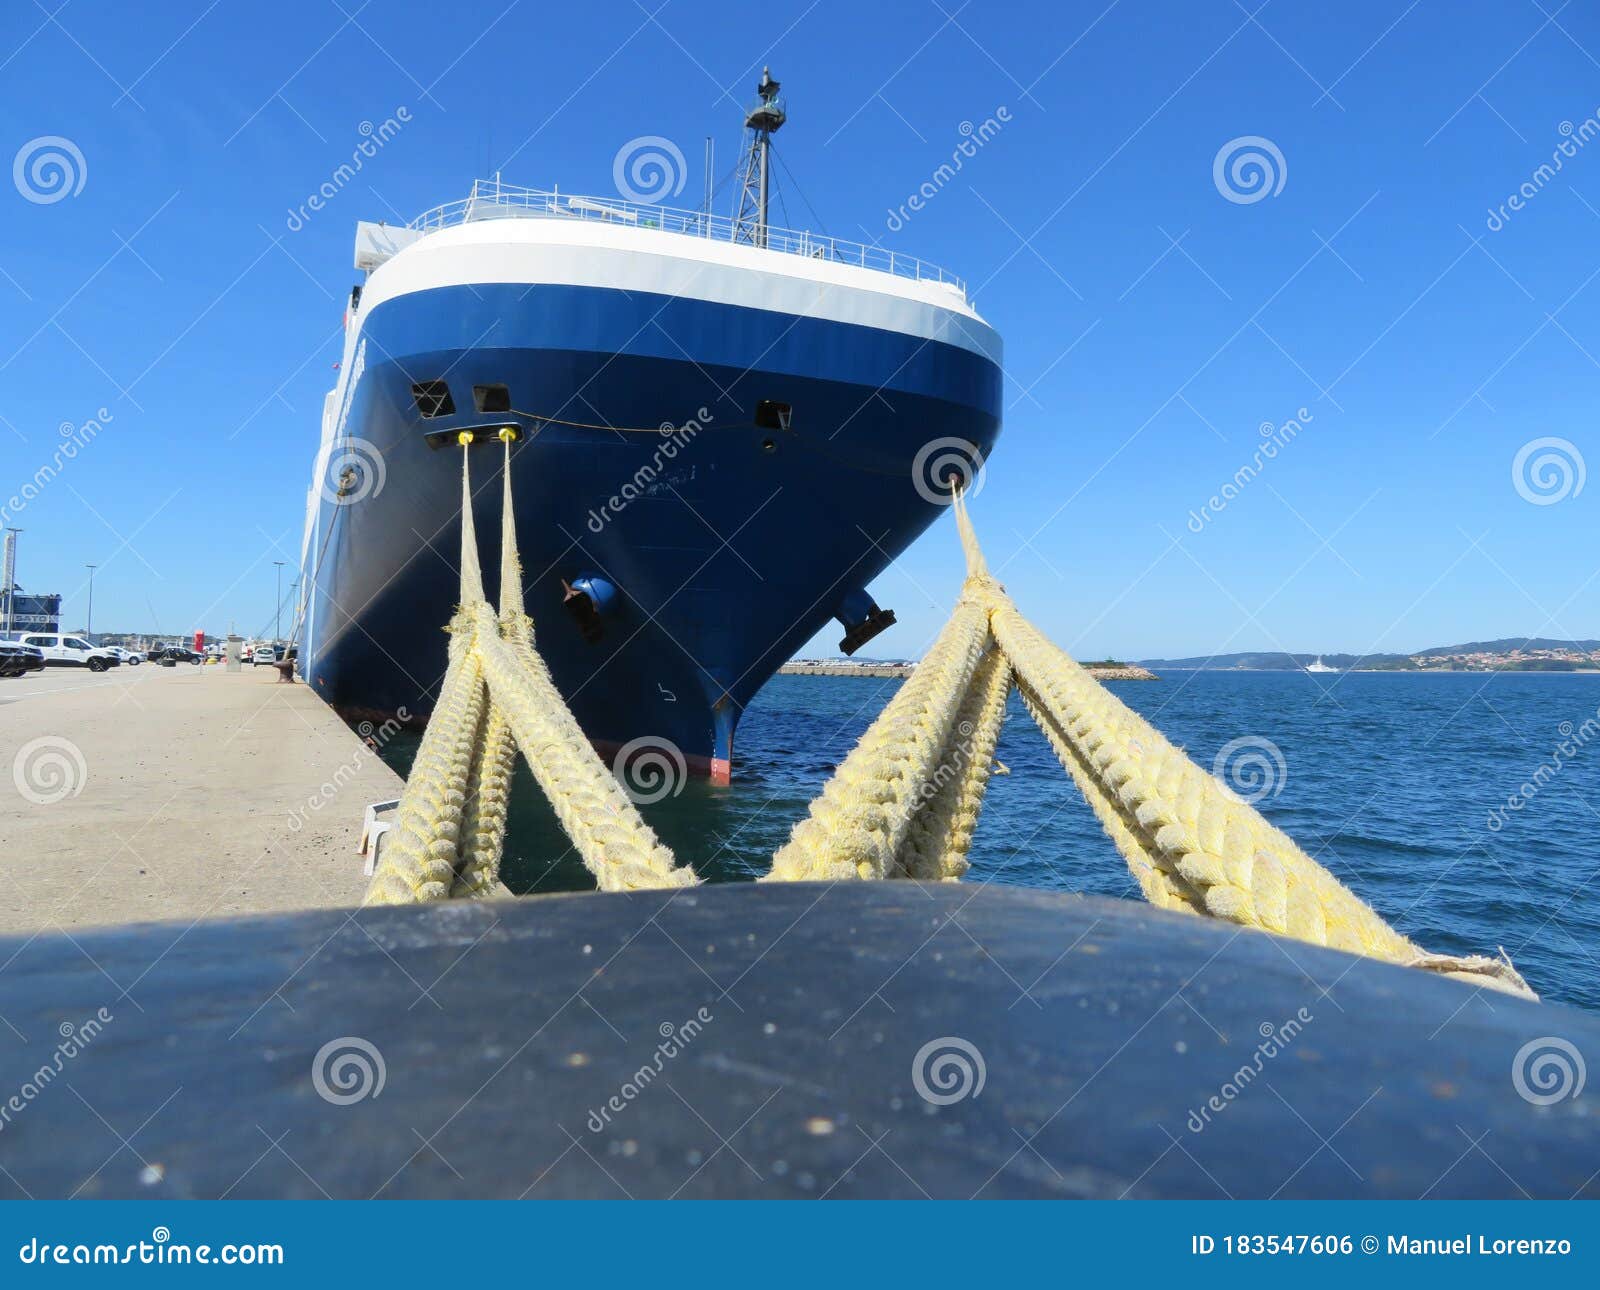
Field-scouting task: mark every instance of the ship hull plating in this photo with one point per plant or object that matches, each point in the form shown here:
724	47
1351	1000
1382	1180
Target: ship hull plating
729	533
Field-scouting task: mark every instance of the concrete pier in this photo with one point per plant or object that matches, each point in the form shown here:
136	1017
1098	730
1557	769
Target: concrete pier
844	667
187	792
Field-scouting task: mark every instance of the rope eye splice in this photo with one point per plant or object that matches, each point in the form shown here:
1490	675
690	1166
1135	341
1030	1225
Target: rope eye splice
903	804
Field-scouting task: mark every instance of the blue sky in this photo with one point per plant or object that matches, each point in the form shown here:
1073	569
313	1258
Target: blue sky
1152	324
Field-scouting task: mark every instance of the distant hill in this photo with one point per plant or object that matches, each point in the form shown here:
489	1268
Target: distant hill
1275	661
1268	662
1509	643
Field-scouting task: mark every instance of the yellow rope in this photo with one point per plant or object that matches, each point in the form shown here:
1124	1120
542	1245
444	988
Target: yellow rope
941	831
856	827
1191	843
421	853
489	787
483	830
904	803
450	826
1162	887
615	843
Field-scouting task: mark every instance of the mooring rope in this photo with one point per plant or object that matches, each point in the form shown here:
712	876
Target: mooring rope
494	654
903	804
940	836
495	760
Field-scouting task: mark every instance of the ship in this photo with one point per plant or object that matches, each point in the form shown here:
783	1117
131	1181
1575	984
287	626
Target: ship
723	432
1320	666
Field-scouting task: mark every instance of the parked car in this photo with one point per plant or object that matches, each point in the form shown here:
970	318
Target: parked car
132	657
264	654
17	659
64	650
172	655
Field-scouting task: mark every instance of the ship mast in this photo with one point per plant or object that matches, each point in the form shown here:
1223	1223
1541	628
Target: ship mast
766	115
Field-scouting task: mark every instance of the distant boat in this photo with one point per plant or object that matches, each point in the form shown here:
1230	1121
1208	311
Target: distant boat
1320	666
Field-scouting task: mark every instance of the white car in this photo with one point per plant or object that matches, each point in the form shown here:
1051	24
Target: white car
62	650
263	654
132	657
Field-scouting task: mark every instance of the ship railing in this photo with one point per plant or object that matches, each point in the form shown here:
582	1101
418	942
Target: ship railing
491	199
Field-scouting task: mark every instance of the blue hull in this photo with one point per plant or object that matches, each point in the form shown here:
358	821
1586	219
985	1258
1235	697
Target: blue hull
727	552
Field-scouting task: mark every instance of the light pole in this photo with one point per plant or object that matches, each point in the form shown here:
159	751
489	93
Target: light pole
88	628
277	630
8	577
